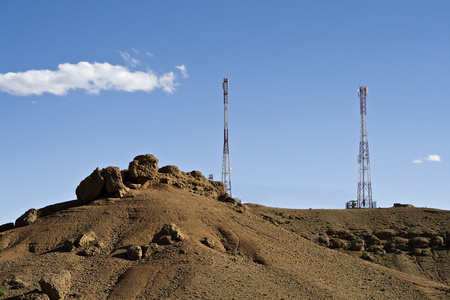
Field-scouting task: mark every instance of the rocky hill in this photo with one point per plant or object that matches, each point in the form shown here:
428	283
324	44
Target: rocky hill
160	233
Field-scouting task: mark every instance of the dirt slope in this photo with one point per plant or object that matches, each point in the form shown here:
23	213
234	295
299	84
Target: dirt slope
380	231
251	257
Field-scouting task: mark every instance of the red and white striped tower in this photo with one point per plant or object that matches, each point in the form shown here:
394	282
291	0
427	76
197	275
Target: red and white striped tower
226	169
364	199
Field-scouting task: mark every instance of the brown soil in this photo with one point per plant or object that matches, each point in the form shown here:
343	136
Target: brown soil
258	252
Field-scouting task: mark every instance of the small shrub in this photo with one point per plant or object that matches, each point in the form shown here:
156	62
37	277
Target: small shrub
2	291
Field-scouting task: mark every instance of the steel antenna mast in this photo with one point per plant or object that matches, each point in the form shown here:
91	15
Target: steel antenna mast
364	199
226	169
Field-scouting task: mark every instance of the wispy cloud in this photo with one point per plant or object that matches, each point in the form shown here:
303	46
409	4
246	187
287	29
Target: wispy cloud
149	54
183	70
431	157
133	62
91	77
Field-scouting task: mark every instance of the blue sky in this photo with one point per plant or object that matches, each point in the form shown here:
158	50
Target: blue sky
115	79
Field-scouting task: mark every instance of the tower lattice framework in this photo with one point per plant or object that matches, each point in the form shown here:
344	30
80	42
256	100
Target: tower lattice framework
226	169
364	199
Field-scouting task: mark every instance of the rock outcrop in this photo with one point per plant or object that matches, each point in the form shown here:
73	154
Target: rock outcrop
29	217
88	244
143	173
143	168
168	234
134	252
56	286
91	187
113	179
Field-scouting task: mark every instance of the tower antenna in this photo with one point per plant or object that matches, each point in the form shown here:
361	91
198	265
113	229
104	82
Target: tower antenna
364	199
226	169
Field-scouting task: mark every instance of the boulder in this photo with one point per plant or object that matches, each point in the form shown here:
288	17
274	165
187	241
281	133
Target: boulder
172	170
68	245
197	175
421	252
113	179
208	242
372	240
437	241
367	256
88	243
340	233
447	238
125	175
336	243
357	245
385	234
149	249
86	239
143	168
121	193
56	286
172	230
403	205
168	234
91	187
29	217
92	250
376	249
227	199
419	242
399	243
324	240
134	252
15	283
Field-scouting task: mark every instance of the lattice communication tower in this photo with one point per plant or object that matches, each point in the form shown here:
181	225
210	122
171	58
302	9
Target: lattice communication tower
226	169
364	199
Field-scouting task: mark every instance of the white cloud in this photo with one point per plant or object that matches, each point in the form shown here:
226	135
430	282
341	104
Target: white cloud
167	82
133	62
183	70
91	77
135	50
149	54
433	157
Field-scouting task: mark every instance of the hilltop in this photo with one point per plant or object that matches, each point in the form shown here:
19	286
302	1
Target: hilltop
161	233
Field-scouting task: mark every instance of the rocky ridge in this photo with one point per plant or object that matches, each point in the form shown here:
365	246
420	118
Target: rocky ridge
143	172
160	233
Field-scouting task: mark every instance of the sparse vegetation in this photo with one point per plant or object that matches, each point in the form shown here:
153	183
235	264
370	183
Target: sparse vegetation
2	291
